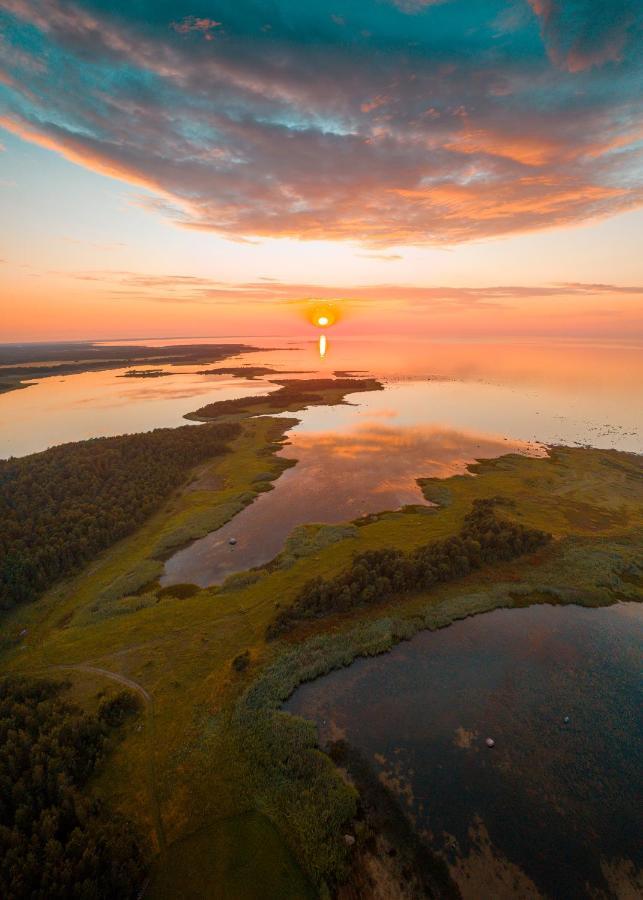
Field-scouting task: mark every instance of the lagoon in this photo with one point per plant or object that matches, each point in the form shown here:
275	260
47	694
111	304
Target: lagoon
443	406
553	809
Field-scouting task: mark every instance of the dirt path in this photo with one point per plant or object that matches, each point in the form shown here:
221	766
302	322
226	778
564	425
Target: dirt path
149	738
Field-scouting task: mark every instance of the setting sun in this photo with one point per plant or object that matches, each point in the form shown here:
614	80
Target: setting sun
322	313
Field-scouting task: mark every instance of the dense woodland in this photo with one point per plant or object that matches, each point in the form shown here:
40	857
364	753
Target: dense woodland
61	507
64	359
55	841
378	575
290	393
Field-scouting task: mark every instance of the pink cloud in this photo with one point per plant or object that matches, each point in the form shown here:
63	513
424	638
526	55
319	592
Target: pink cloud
578	42
193	23
271	137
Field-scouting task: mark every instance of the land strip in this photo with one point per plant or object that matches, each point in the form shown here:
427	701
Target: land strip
20	364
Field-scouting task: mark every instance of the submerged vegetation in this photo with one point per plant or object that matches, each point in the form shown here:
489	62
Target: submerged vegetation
385	837
55	840
61	507
379	575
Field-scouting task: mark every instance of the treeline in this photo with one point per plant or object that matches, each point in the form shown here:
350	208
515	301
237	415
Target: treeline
290	393
378	575
55	842
55	359
61	507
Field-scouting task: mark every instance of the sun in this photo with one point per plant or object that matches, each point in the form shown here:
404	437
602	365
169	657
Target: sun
321	313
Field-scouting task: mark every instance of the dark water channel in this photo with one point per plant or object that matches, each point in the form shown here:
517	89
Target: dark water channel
554	807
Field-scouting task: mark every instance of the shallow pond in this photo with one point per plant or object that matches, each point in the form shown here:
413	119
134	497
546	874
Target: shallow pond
340	475
555	805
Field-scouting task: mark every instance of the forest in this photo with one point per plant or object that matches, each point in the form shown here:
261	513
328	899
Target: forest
55	841
61	507
21	362
378	575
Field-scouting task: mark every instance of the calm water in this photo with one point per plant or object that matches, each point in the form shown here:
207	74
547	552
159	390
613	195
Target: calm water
550	393
338	476
99	404
552	805
444	405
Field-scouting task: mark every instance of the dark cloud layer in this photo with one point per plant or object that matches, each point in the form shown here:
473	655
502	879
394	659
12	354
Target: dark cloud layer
384	121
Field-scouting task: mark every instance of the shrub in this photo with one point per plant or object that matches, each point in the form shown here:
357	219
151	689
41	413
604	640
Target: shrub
115	711
241	662
178	591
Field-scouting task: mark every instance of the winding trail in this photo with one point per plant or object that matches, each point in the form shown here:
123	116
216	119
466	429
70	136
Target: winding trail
149	737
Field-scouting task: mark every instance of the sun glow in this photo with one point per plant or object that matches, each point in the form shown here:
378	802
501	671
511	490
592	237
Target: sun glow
321	313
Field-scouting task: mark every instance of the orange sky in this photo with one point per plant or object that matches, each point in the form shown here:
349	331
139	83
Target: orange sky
98	264
399	162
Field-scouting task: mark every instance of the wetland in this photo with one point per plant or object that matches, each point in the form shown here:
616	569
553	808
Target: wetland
381	450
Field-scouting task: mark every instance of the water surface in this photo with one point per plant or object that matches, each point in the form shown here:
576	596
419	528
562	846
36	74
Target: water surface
340	475
564	393
444	405
554	806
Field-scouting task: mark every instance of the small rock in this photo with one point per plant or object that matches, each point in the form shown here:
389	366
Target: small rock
349	840
490	742
232	541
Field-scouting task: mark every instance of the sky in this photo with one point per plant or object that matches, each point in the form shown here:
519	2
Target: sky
448	168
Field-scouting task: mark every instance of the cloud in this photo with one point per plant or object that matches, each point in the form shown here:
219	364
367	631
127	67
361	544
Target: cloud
391	130
190	289
416	6
384	257
193	23
581	34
